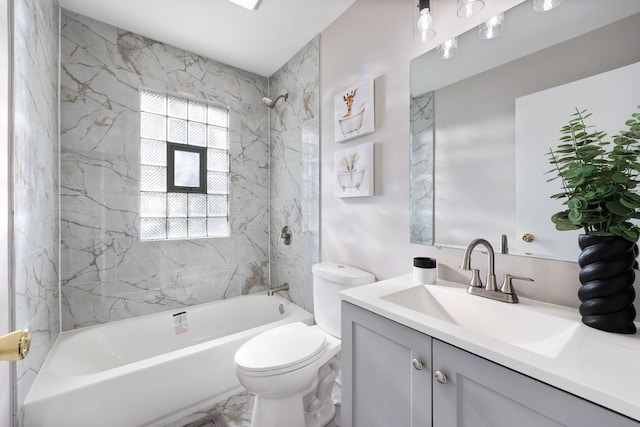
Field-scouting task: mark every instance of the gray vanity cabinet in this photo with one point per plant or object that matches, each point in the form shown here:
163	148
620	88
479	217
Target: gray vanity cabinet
480	393
386	372
382	388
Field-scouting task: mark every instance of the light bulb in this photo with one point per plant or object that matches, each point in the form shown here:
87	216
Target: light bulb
468	8
425	26
545	5
448	49
492	28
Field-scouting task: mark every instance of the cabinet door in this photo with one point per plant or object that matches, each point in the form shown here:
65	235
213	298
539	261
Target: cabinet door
480	393
381	387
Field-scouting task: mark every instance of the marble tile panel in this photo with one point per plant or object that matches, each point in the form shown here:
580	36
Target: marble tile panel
140	55
183	254
294	196
102	69
236	410
36	287
201	284
86	39
82	173
82	217
36	308
286	161
136	259
35	180
100	134
92	82
35	164
44	327
87	261
90	304
35	220
299	77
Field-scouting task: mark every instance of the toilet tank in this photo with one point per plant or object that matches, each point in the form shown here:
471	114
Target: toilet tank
329	279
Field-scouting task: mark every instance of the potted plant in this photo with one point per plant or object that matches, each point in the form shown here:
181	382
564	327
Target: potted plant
599	180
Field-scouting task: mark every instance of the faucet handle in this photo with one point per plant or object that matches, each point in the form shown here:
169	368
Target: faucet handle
507	285
476	282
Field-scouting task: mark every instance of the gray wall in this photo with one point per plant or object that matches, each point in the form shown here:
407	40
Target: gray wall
373	233
35	180
107	273
295	167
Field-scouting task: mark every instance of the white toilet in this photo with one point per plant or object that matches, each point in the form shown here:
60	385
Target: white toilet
291	369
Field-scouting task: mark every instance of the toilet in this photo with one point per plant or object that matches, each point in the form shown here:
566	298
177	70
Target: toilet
291	369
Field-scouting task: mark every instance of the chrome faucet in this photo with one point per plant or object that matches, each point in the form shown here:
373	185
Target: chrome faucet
506	293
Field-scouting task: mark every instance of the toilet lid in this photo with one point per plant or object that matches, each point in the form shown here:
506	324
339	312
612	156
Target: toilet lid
279	348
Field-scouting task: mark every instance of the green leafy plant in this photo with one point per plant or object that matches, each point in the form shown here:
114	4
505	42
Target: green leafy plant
599	178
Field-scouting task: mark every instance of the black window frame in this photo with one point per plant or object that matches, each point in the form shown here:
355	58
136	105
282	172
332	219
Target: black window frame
172	147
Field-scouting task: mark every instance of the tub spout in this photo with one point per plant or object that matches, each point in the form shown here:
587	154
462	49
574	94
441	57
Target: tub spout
283	287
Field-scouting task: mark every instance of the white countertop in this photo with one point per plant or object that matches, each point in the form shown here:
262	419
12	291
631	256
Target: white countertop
601	367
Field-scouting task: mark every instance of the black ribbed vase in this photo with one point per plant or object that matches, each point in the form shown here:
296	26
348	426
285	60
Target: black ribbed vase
607	277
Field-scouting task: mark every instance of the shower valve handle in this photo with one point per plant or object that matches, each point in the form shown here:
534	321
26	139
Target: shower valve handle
285	235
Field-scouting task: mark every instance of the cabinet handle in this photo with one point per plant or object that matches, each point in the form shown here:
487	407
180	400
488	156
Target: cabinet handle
440	377
417	364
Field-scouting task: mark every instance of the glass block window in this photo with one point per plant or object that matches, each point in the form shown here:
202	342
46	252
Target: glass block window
169	122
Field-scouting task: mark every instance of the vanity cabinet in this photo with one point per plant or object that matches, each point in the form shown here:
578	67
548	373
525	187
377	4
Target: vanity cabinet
386	372
481	393
381	386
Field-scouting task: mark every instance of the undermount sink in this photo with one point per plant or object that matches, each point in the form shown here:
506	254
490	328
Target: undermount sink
523	325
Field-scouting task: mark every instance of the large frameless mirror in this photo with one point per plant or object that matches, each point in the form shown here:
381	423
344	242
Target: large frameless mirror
469	176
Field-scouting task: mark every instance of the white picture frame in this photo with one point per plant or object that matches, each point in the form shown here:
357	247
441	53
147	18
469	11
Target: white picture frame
354	110
354	171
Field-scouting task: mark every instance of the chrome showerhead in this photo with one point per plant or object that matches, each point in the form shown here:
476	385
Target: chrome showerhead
272	102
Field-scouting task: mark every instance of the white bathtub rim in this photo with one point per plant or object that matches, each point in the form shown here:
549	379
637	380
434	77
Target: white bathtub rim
49	384
114	323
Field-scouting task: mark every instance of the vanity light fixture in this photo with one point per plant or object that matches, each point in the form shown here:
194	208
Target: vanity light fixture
545	5
448	49
425	21
491	28
468	8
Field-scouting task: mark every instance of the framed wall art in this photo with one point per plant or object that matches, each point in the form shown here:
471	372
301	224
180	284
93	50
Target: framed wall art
354	171
354	111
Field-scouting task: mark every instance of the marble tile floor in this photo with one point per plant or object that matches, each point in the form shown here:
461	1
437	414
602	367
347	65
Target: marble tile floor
236	411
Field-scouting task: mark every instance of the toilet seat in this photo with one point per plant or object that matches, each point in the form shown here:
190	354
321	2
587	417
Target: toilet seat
279	350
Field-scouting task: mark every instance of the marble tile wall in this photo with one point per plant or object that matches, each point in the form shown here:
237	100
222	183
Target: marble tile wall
295	180
106	272
422	169
35	170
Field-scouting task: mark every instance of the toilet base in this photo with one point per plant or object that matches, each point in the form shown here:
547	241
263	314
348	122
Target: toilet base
319	405
321	417
278	412
312	408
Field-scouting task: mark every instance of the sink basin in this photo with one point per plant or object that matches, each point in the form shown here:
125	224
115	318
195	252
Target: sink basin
524	325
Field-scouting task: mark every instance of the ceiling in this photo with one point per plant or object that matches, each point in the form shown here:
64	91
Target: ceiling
260	40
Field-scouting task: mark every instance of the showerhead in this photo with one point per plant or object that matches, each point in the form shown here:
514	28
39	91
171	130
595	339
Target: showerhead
271	103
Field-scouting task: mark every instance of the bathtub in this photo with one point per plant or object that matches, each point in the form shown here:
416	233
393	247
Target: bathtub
152	369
